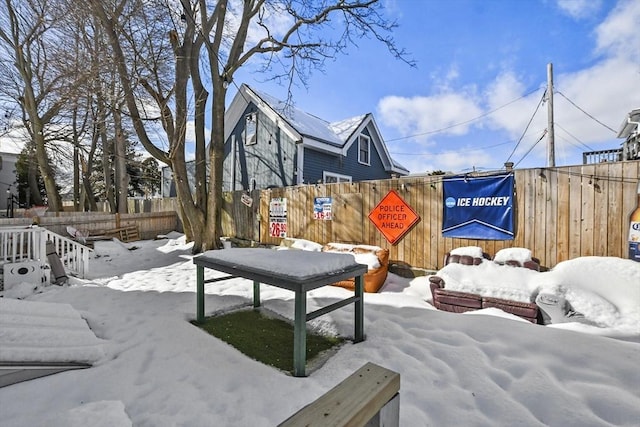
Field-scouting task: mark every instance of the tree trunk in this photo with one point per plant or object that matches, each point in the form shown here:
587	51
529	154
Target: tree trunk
106	170
76	163
54	201
120	164
216	159
34	197
89	201
200	106
193	214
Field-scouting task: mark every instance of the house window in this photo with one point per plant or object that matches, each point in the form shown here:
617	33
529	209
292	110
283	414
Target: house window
331	178
364	152
251	128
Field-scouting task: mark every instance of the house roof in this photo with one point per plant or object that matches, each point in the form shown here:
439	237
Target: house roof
310	130
304	123
630	124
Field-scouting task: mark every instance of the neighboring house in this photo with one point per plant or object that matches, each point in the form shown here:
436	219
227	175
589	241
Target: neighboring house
630	150
271	144
8	182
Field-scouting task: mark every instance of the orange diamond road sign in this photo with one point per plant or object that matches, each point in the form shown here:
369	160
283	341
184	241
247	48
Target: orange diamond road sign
393	217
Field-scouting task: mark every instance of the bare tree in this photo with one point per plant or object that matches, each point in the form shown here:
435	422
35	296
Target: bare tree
102	90
214	42
43	84
79	114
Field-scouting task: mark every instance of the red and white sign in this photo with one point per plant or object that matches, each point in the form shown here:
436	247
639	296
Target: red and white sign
278	217
393	217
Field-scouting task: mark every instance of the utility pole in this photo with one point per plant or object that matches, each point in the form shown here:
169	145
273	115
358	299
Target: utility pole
551	151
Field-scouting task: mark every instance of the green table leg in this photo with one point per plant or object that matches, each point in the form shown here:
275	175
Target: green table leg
300	334
359	310
256	294
200	294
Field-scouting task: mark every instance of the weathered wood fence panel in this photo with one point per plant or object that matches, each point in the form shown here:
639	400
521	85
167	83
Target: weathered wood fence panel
149	224
561	213
240	214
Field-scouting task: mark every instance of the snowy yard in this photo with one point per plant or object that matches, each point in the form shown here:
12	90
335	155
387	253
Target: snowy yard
153	368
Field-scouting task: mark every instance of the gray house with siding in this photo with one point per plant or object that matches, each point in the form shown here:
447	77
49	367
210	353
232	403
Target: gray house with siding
271	144
8	182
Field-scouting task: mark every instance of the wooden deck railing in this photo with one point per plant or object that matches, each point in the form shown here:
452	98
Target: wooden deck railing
22	244
29	244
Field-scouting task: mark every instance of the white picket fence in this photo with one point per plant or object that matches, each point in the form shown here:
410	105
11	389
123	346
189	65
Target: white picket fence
22	244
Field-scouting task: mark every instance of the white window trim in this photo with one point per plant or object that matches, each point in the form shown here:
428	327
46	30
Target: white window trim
360	138
253	138
340	178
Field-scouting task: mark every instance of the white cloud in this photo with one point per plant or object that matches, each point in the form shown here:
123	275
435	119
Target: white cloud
609	89
444	80
606	91
453	161
579	9
513	110
13	140
424	115
618	34
273	15
275	18
458	160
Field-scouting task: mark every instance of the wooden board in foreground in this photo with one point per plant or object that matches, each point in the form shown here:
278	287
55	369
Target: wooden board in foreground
353	402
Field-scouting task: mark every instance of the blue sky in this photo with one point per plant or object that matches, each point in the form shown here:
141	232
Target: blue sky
481	70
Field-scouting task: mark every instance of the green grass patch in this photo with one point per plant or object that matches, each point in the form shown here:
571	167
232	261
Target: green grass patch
266	339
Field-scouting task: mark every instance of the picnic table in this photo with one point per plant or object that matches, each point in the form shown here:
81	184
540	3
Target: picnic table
296	270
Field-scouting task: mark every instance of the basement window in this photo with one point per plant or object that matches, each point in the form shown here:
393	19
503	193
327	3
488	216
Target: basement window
332	178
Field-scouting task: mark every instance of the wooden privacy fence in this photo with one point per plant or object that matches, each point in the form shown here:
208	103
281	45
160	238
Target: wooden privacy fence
149	225
134	205
561	213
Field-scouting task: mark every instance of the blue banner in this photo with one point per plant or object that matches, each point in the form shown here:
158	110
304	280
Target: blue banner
478	207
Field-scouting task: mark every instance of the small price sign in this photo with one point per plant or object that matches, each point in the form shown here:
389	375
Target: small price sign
322	208
278	229
322	215
278	217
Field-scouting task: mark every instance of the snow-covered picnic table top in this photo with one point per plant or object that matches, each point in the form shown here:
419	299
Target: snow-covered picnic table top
289	269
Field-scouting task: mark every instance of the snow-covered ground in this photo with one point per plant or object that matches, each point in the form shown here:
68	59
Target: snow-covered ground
153	368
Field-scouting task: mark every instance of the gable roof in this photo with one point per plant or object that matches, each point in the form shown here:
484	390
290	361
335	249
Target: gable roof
310	130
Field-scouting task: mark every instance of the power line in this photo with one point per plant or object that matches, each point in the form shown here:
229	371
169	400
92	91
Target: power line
532	147
452	151
587	114
574	137
464	122
527	127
